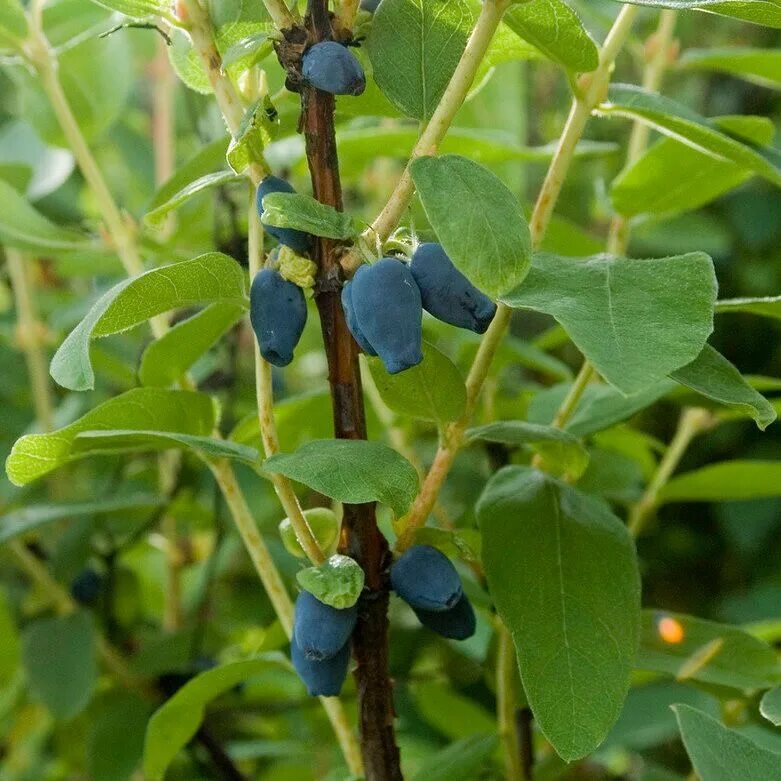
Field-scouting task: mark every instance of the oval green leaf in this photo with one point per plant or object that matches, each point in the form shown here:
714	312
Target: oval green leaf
477	219
577	637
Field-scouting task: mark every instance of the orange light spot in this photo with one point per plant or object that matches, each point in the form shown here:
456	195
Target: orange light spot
670	630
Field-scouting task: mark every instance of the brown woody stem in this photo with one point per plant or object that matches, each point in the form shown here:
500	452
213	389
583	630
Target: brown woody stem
361	538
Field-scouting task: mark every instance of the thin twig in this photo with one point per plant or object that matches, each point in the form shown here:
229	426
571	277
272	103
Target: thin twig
594	87
452	99
505	704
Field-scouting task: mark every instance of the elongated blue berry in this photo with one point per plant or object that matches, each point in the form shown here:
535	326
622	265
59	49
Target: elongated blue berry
333	68
324	677
297	240
86	587
458	623
389	313
426	579
321	630
447	293
352	321
277	314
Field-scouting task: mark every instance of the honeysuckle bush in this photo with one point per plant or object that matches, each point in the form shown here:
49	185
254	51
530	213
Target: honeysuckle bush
601	465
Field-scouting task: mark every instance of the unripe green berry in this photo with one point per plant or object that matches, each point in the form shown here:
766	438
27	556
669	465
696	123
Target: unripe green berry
324	525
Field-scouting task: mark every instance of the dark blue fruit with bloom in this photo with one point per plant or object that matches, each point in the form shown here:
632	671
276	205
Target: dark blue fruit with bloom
298	241
389	313
426	579
447	293
458	623
321	631
333	68
352	321
86	587
370	5
278	315
324	677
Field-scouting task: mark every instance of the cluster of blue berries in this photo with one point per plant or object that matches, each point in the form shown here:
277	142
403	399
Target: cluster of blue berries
384	304
423	577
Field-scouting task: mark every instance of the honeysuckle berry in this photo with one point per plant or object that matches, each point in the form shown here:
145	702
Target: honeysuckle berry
426	579
320	630
331	67
297	240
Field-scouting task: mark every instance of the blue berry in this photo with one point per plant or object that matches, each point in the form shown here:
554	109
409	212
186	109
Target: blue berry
370	5
297	240
458	623
86	587
389	313
333	68
277	314
320	630
426	579
447	293
352	322
324	677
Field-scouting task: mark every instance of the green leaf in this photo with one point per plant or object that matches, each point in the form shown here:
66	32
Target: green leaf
59	658
361	146
765	307
210	159
302	212
205	279
119	441
680	122
600	406
563	573
477	219
175	723
34	516
10	648
767	12
187	63
695	649
247	146
721	754
414	47
167	359
562	453
555	29
23	227
137	9
770	706
726	481
157	216
712	375
351	471
759	66
140	409
672	177
337	582
13	24
432	390
635	320
460	761
115	740
248	51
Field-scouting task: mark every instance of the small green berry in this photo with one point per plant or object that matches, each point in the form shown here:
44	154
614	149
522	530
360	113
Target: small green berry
324	525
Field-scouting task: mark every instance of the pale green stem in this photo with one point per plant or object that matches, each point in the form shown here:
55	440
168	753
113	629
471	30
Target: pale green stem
620	228
594	86
346	13
506	704
693	421
659	49
265	403
452	99
29	333
279	597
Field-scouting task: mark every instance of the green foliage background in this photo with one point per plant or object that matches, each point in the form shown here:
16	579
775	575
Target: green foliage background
712	551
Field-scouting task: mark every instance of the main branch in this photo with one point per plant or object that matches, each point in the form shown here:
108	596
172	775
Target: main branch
361	537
